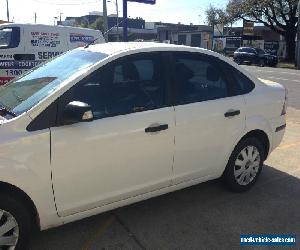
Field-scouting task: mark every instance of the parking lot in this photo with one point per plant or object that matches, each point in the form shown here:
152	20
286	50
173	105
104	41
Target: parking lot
205	216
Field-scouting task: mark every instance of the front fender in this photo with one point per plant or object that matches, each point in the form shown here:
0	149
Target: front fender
25	164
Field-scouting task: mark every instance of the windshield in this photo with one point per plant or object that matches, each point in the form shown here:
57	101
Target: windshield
9	37
22	94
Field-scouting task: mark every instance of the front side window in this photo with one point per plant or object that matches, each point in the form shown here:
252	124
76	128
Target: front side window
22	94
9	37
198	79
129	85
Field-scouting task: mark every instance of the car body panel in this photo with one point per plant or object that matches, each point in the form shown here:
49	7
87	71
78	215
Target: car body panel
111	159
202	133
25	164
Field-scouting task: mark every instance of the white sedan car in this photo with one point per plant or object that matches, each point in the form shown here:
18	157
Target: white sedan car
108	125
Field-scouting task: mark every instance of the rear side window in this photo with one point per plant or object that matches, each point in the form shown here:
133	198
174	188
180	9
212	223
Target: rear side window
243	82
9	37
198	79
239	83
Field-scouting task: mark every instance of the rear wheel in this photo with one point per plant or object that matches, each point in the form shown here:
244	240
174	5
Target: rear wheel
15	224
244	165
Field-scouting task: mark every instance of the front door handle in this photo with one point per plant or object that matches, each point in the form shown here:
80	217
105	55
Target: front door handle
156	128
231	113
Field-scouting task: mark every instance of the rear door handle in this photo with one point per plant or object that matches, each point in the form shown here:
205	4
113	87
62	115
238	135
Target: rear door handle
156	128
231	113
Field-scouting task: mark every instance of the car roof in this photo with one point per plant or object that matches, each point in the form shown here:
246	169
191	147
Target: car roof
118	47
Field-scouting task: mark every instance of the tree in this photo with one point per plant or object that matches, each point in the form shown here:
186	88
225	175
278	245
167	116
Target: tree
216	15
279	15
98	24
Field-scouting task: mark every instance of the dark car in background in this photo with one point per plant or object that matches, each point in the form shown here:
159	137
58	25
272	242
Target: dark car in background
254	56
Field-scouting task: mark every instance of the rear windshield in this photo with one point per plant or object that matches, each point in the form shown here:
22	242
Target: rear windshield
22	94
9	37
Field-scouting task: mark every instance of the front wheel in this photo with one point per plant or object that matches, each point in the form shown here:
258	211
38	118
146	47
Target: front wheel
238	61
14	224
244	165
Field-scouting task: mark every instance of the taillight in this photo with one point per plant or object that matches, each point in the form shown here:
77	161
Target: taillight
285	104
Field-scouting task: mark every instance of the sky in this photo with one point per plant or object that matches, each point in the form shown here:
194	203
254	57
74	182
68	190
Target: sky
174	11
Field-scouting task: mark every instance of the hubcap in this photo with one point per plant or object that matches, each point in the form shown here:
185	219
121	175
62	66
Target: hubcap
246	165
9	231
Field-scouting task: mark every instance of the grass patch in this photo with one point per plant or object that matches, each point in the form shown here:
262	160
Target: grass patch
286	65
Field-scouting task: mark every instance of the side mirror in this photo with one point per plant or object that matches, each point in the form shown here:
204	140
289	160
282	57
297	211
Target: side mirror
75	112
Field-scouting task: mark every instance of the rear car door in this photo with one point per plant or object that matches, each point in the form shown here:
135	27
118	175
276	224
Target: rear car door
209	119
128	148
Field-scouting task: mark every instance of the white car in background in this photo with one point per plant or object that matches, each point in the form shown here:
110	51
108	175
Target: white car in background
112	124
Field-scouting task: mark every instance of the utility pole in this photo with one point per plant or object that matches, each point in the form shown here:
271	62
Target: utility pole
117	9
35	17
105	24
125	23
7	10
298	39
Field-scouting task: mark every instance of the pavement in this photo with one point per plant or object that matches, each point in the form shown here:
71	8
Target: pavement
204	216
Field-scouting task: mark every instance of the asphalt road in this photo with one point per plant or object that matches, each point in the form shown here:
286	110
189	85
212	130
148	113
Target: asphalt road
288	77
205	216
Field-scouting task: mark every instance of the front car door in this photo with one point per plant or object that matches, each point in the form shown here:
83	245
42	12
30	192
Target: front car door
128	149
209	119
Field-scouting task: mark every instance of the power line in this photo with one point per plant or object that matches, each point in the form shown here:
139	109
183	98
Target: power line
67	4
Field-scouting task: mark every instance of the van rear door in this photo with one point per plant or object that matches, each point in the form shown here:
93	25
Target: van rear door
11	43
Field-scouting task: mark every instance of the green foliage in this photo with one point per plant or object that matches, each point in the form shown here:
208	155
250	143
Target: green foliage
278	15
216	15
97	25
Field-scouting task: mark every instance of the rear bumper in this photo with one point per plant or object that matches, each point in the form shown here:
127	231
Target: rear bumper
278	130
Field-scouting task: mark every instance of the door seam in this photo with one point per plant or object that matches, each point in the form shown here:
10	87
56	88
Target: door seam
52	186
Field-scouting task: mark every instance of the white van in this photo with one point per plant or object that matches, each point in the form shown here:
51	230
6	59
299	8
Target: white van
23	46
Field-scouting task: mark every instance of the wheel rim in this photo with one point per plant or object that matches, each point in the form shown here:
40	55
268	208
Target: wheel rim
9	231
246	165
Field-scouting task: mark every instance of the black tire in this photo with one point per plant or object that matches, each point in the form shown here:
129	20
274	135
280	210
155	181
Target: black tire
21	216
238	61
228	176
261	63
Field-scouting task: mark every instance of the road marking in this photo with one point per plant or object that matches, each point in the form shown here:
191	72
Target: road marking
283	79
266	81
279	72
98	233
290	145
